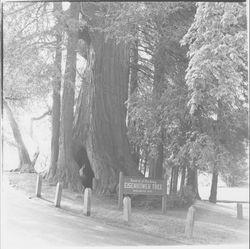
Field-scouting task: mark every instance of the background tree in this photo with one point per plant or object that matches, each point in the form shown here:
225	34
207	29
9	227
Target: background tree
67	169
56	97
217	80
100	120
26	70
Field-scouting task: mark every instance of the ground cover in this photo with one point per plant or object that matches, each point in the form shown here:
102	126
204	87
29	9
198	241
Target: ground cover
215	223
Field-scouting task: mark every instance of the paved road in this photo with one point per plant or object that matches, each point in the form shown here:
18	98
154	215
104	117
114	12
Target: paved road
33	223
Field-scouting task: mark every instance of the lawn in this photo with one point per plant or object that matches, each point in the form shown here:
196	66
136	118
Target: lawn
214	223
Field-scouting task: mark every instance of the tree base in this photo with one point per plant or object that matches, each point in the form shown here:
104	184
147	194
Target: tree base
26	168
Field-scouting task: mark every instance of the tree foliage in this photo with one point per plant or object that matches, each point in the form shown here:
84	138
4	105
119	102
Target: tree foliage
188	66
217	82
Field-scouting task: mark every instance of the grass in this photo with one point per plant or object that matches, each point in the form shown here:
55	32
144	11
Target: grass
214	223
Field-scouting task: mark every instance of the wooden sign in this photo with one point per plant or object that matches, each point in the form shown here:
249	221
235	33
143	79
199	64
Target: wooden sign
142	186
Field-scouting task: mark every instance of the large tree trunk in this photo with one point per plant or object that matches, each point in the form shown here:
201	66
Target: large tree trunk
100	121
67	168
213	191
25	164
192	181
55	133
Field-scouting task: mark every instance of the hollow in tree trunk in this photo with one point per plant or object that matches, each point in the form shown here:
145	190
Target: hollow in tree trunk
55	133
67	169
100	120
25	164
213	191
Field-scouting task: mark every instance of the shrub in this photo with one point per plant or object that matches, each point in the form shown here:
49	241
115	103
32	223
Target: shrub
182	199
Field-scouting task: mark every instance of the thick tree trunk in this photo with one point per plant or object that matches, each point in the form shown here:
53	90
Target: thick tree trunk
192	181
213	191
55	133
174	180
67	168
100	121
25	164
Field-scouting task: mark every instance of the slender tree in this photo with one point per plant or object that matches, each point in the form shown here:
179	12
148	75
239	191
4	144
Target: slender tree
25	164
56	97
67	168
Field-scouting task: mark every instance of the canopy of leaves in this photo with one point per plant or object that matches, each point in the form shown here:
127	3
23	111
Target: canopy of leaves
217	82
28	43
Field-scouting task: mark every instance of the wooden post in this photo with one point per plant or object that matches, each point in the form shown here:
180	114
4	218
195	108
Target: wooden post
127	209
190	222
87	201
58	196
120	194
239	211
164	196
39	185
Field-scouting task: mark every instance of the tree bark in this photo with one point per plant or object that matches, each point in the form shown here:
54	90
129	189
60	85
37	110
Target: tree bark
175	180
133	84
183	177
171	181
133	81
55	133
192	181
213	191
100	121
159	71
67	169
25	164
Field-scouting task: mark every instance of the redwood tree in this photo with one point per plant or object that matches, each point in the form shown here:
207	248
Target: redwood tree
100	120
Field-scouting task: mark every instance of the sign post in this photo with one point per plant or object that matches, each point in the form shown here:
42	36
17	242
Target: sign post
142	186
